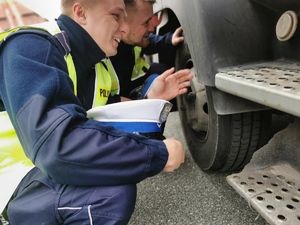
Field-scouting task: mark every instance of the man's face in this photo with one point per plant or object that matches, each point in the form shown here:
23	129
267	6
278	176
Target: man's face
105	22
139	23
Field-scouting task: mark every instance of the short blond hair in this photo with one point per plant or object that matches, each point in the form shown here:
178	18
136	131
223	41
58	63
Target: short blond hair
66	5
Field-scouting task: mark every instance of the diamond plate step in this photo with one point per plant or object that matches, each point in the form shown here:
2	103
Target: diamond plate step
273	192
278	88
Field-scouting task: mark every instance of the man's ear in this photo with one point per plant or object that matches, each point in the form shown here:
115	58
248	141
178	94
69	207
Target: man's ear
79	13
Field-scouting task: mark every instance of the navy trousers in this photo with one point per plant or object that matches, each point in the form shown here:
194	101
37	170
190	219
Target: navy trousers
38	200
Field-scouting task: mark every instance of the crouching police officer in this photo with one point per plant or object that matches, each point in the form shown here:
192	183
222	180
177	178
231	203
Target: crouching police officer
84	172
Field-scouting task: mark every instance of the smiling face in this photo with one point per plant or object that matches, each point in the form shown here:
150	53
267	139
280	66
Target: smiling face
105	22
139	21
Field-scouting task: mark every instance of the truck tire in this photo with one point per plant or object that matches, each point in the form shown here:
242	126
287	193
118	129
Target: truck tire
217	142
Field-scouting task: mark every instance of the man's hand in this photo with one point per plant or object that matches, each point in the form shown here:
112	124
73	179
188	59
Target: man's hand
125	99
176	154
177	38
169	85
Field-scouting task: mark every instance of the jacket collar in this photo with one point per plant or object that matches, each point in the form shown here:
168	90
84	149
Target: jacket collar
84	50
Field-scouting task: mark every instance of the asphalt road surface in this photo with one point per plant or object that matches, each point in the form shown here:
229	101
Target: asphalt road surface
190	196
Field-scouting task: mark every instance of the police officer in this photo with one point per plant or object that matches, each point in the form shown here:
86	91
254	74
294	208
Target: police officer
129	63
85	172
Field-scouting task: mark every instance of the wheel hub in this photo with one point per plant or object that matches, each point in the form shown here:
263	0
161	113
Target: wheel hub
196	106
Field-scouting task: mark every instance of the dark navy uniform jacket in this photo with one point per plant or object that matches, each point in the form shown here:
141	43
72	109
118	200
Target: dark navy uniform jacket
51	121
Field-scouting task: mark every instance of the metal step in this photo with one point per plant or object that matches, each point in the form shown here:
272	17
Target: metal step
273	192
275	87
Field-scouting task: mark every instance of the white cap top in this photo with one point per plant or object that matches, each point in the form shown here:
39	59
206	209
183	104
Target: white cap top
145	110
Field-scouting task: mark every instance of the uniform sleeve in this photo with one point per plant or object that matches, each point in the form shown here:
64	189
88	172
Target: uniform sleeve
53	128
159	44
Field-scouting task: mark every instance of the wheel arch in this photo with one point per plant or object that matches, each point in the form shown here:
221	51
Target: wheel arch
203	22
220	32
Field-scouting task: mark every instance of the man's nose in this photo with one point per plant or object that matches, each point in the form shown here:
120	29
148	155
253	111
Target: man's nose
156	19
124	27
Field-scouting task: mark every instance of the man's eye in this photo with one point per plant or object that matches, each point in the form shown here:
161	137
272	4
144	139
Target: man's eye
117	16
147	23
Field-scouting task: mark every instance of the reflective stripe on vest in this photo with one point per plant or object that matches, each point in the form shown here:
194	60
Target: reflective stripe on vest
141	66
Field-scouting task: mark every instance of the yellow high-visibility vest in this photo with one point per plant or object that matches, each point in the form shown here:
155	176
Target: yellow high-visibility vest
141	66
115	88
106	83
